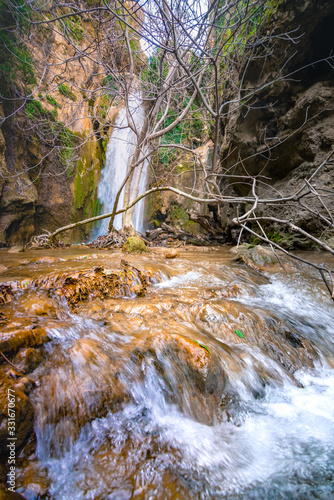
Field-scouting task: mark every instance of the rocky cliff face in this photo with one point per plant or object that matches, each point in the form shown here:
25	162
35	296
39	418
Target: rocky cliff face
289	128
52	147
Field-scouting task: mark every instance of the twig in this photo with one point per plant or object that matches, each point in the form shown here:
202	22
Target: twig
16	368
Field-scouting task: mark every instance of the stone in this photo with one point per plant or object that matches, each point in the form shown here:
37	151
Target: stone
171	254
24	412
134	245
192	372
26	360
16	249
11	340
99	283
38	304
44	260
259	257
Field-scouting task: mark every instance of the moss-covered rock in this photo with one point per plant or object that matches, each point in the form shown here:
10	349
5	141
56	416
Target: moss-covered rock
258	257
134	245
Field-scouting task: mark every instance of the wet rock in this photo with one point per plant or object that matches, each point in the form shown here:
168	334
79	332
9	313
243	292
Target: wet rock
9	495
171	254
38	304
192	372
3	318
28	359
100	283
25	385
44	260
6	293
84	386
134	245
24	413
259	257
274	339
16	249
12	339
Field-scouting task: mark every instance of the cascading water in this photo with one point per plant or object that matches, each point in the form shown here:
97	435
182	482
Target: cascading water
158	397
120	149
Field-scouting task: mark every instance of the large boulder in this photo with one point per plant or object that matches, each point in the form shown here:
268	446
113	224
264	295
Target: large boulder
134	245
258	257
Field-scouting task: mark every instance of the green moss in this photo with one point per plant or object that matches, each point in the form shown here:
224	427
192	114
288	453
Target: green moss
284	239
86	179
35	110
134	245
177	216
66	91
51	100
71	27
16	63
67	141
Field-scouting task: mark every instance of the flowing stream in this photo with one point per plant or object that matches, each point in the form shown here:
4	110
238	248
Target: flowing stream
120	150
159	397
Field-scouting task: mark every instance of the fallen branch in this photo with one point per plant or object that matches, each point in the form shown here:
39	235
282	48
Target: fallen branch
51	237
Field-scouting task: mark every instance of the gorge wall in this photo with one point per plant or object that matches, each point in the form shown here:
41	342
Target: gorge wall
288	129
52	145
52	149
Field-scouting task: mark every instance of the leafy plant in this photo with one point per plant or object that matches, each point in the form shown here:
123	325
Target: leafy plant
65	91
35	110
51	100
202	345
240	334
72	26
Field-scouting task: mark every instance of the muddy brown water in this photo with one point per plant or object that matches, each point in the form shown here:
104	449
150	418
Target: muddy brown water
216	384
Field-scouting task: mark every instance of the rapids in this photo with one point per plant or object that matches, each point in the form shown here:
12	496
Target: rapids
158	397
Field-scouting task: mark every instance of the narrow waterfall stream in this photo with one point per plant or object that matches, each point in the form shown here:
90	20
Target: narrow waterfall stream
120	149
157	396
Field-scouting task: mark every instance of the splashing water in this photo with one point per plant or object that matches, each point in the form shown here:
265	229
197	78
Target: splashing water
120	150
120	415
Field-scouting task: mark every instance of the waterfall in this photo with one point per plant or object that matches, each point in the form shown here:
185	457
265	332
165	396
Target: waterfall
120	149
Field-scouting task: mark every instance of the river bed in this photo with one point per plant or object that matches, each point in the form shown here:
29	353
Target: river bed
217	383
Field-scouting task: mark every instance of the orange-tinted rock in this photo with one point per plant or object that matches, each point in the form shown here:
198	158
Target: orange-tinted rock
6	293
38	304
263	330
24	413
28	359
44	260
192	372
5	494
172	253
11	340
84	388
99	283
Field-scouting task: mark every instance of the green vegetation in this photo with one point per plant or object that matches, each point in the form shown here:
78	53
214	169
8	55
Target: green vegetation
104	106
15	59
188	132
71	26
134	245
68	141
177	216
51	100
109	83
66	91
87	176
35	110
154	72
